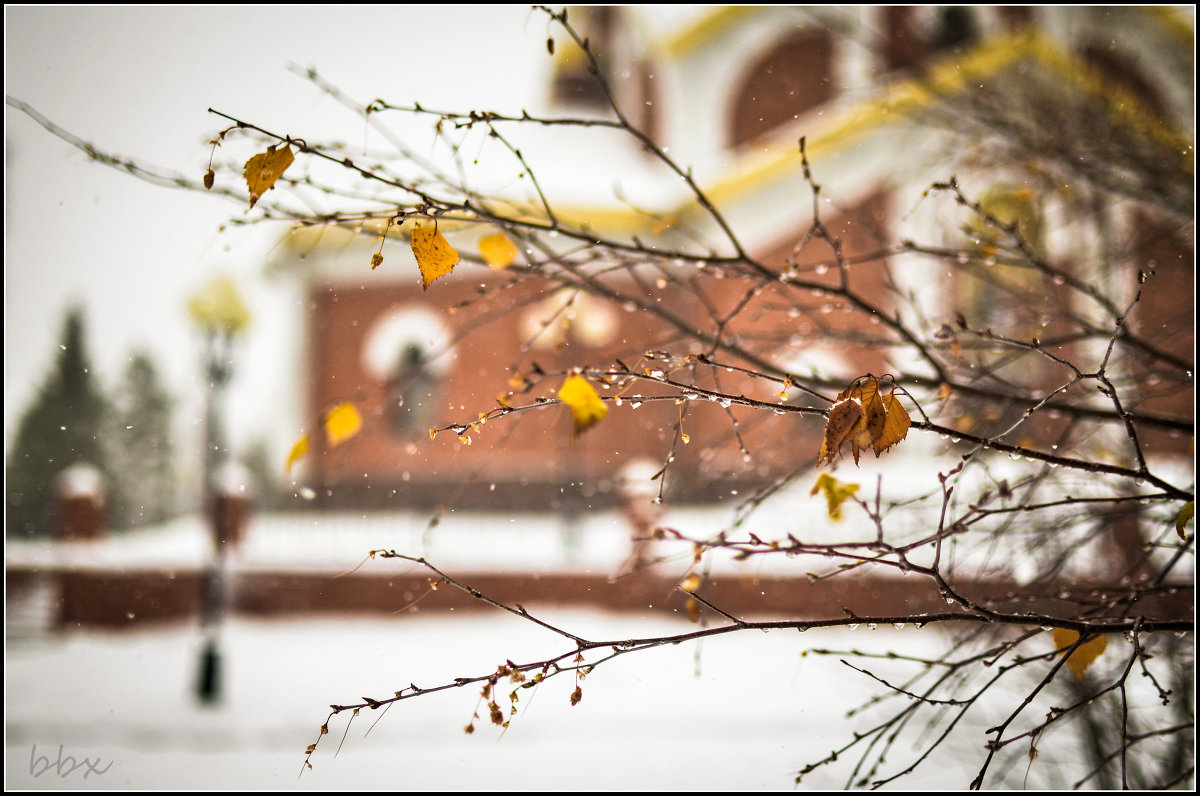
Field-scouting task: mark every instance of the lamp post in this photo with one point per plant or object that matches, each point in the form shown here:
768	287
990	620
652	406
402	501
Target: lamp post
220	315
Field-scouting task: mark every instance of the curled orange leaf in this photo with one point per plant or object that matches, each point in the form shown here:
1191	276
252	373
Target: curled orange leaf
843	419
864	417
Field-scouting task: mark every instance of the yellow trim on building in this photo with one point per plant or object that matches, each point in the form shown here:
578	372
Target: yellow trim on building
1125	106
781	157
704	29
1174	22
776	157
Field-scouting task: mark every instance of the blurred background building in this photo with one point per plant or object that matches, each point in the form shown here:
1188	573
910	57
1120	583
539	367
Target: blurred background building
889	100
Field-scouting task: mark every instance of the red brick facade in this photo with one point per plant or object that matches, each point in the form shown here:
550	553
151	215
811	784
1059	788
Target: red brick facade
488	335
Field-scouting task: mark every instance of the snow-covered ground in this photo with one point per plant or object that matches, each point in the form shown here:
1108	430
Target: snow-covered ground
742	712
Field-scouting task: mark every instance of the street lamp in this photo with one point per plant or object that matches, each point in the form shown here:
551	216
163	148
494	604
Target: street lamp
220	314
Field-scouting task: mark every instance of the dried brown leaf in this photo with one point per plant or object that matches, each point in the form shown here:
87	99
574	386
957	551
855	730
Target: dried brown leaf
842	423
895	425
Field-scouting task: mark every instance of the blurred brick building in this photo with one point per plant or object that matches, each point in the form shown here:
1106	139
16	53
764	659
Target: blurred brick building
729	91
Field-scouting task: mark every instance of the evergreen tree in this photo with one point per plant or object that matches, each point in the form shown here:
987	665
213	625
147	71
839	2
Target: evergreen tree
63	426
140	448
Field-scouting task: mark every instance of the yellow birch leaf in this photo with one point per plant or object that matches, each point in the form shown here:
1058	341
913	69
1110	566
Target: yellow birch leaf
586	407
895	425
836	493
1185	514
497	250
691	606
341	423
265	168
1084	654
435	256
299	451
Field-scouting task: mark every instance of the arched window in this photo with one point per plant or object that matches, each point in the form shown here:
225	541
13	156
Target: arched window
913	34
573	82
955	27
569	316
408	351
993	291
792	78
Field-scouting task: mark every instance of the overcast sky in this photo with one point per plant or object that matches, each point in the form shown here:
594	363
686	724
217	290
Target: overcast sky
138	82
